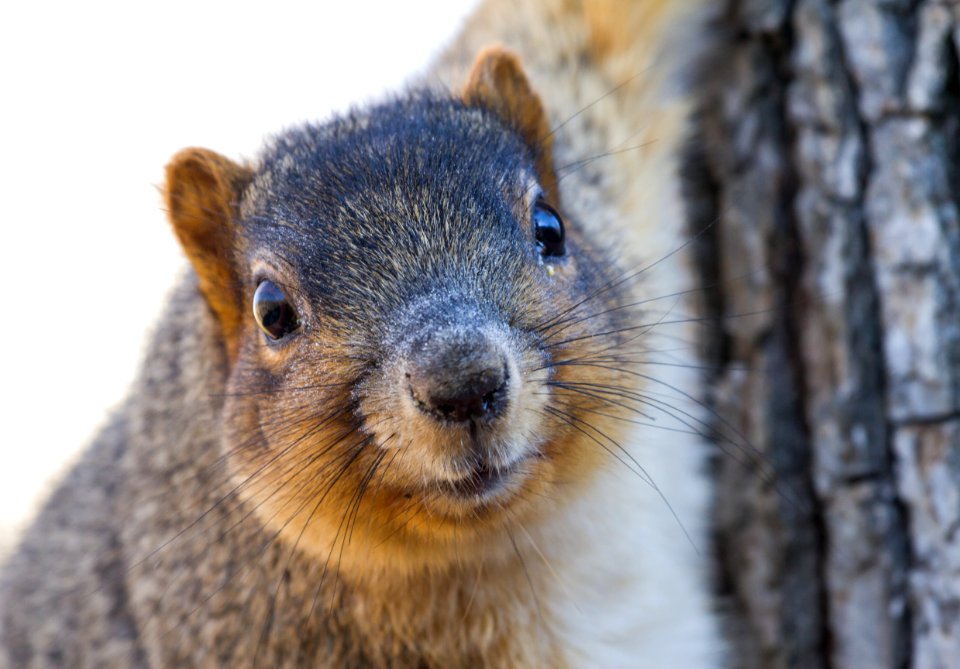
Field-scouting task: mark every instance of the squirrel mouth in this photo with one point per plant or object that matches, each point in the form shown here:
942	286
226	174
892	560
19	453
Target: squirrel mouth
483	481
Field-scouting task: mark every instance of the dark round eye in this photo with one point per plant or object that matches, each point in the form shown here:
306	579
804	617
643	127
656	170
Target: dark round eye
548	229
274	314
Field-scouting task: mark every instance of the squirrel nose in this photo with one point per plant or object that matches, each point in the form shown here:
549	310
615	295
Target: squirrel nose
476	398
459	378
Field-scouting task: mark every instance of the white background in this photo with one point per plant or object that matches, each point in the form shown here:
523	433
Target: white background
96	96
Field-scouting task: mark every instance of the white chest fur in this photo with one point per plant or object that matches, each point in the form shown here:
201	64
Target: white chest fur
628	586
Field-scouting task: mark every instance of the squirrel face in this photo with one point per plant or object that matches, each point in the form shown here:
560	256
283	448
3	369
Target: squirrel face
399	301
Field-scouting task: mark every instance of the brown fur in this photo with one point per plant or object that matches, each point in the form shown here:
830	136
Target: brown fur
616	25
229	518
400	535
497	81
202	193
397	562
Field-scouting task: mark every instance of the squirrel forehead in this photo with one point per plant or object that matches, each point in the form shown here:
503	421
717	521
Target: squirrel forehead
384	204
406	154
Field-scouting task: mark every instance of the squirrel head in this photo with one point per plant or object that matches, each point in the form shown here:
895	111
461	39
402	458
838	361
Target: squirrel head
399	295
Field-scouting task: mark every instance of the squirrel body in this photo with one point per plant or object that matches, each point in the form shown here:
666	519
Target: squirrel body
280	503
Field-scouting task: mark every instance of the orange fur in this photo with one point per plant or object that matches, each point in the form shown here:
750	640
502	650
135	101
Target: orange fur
335	501
202	189
444	575
617	26
400	526
497	82
416	557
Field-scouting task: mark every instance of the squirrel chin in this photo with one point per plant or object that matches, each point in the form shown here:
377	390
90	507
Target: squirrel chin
484	490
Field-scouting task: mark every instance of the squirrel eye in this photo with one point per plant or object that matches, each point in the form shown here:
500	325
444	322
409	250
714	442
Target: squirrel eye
274	314
548	229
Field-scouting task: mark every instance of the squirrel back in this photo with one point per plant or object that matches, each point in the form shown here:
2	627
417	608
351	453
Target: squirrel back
394	415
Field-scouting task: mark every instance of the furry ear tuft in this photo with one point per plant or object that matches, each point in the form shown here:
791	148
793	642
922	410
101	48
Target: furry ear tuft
497	82
202	194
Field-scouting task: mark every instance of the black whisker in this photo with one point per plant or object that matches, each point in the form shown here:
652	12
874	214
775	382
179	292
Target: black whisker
571	419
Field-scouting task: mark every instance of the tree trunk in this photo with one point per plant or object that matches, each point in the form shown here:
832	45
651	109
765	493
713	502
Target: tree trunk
824	190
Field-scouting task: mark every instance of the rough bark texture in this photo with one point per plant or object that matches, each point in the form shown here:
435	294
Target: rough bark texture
825	189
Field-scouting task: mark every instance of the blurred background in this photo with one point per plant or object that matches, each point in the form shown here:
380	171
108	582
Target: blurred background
97	96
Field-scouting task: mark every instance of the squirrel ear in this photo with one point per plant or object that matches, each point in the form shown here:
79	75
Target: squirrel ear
497	82
202	194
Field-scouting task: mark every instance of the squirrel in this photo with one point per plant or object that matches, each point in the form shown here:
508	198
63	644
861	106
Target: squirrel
400	411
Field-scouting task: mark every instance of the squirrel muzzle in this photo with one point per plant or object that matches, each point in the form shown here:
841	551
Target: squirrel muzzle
454	393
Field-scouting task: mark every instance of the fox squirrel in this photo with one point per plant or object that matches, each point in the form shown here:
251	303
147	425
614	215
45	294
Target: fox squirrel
399	412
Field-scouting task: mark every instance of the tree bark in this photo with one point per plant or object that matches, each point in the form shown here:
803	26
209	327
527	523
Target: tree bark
824	194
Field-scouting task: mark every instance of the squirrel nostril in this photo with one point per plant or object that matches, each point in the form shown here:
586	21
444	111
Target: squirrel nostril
458	398
474	400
